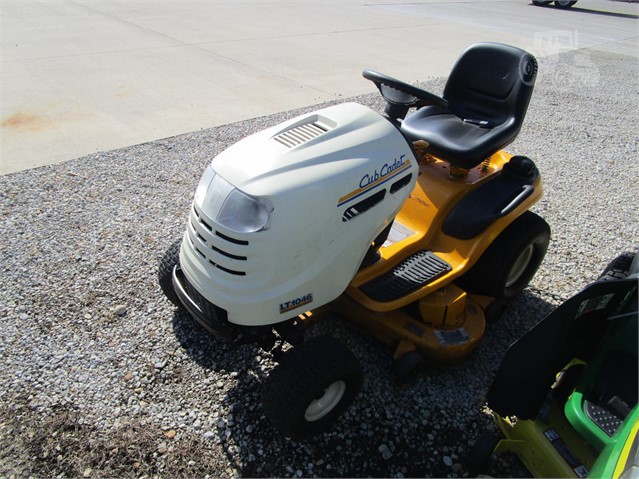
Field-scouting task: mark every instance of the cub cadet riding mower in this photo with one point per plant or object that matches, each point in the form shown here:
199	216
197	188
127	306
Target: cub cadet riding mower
414	227
565	396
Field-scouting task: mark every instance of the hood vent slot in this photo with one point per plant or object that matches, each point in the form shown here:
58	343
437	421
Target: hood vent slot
300	134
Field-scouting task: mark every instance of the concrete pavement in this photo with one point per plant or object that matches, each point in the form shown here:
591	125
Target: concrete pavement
83	76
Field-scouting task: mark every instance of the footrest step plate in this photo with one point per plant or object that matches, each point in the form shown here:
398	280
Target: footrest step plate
408	276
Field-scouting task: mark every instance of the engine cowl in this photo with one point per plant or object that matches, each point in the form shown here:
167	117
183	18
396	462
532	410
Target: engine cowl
282	219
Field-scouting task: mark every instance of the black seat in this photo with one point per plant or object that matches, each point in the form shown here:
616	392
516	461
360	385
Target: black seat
488	92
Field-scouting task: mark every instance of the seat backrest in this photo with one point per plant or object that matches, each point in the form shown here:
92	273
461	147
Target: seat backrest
493	82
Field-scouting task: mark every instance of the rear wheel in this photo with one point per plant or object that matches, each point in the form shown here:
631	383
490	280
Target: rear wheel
168	261
313	385
564	3
511	261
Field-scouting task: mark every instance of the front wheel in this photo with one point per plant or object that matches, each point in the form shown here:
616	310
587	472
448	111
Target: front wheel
313	385
511	261
168	261
564	3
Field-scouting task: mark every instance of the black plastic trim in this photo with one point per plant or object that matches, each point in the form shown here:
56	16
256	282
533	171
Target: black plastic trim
401	183
205	313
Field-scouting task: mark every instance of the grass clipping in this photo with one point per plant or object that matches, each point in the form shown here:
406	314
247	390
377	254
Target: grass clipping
63	446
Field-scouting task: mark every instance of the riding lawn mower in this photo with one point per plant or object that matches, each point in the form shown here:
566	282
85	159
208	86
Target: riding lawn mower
416	227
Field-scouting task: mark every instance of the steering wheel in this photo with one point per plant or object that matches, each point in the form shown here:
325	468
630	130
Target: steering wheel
398	93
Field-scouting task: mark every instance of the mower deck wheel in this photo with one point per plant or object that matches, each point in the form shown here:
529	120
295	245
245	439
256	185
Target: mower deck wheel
315	382
168	261
495	310
408	367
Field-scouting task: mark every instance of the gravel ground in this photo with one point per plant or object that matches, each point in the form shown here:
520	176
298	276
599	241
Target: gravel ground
103	377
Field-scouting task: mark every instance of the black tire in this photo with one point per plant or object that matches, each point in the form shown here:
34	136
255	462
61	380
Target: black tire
482	451
320	368
511	261
495	310
408	367
618	268
563	4
169	259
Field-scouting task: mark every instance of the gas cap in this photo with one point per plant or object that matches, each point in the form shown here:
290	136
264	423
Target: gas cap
520	165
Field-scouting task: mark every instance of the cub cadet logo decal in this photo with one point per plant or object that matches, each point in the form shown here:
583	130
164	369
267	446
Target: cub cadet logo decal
296	303
372	180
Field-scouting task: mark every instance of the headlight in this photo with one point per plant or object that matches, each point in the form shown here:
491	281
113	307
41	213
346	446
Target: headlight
228	206
243	213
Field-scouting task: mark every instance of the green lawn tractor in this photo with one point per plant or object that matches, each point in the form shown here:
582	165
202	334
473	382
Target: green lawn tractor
565	395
